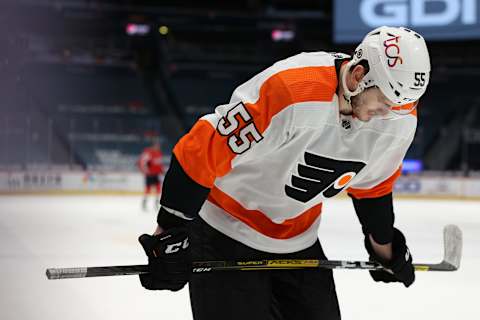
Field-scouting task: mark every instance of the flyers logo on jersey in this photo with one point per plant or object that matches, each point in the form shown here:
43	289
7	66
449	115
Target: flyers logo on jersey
321	175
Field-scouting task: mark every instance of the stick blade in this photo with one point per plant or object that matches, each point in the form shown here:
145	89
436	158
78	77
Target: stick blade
453	241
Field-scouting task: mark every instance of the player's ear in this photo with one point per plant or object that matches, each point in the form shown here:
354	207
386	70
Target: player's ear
358	72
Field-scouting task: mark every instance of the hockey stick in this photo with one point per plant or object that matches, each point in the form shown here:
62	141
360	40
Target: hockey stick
452	243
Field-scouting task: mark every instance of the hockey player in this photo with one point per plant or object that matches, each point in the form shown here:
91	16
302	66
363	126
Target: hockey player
248	181
150	164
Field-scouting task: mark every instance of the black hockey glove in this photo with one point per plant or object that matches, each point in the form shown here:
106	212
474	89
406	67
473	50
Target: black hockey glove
400	265
169	260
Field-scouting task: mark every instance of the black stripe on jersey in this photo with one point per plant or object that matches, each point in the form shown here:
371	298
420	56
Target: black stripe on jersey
376	216
180	192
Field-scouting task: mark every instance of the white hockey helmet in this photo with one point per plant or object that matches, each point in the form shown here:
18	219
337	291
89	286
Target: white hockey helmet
399	64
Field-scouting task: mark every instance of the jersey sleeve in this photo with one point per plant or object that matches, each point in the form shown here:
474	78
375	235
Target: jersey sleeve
372	198
381	189
376	216
381	178
253	123
219	141
374	203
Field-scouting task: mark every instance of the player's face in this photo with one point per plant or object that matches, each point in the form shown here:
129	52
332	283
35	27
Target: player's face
370	103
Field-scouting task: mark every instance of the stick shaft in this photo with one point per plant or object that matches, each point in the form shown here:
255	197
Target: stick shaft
452	238
87	272
212	266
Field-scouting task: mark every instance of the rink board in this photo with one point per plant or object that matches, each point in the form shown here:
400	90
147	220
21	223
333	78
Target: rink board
131	183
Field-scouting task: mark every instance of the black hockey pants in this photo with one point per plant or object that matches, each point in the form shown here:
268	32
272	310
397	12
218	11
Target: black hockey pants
257	295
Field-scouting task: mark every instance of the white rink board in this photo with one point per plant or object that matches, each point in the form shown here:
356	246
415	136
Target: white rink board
438	186
79	181
92	182
69	231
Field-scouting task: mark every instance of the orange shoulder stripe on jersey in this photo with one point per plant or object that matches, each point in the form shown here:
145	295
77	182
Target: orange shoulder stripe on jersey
260	222
294	86
379	190
205	155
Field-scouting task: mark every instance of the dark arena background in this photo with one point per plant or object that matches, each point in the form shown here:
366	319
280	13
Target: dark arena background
86	85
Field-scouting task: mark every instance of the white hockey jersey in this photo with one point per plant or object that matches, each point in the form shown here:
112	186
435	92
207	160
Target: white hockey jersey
280	148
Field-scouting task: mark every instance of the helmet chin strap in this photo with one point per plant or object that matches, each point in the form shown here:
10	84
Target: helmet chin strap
347	94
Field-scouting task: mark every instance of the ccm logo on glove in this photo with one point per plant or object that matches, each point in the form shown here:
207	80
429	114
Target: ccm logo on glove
175	247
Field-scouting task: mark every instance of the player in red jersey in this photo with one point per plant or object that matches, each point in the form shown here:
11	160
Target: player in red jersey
150	164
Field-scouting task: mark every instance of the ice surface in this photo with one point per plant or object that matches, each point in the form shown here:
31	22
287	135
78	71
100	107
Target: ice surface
74	231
